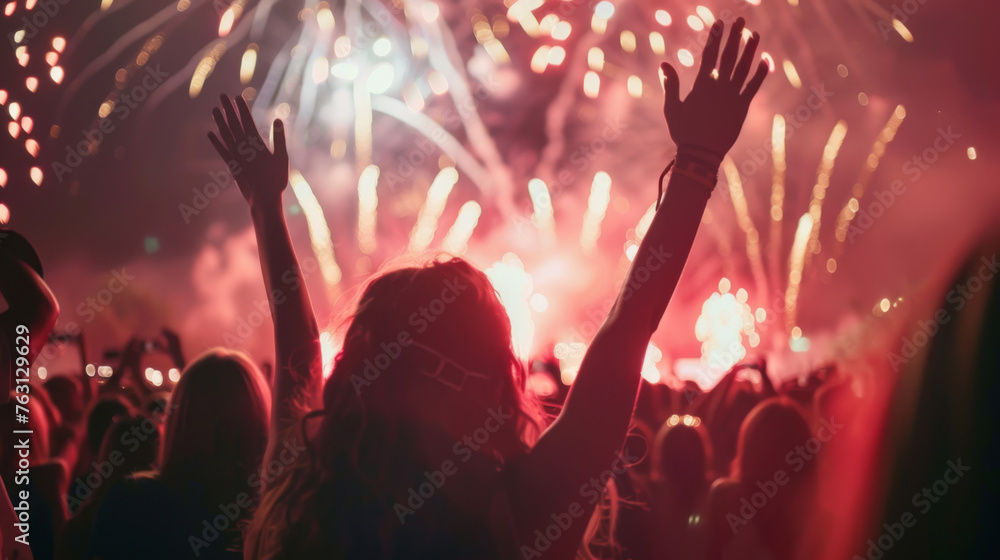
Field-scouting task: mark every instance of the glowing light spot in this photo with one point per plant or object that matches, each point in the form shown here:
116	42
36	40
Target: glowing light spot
3	178
248	64
4	214
663	17
796	332
557	55
649	370
14	129
695	22
56	74
434	205
342	46
604	10
105	371
631	248
597	207
32	84
842	71
766	57
367	207
902	30
226	23
438	83
430	12
320	70
15	110
971	153
382	46
105	109
742	295
591	84
863	99
32	146
457	239
3	96
540	60
42	373
91	370
539	303
705	14
760	315
627	40
657	43
105	4
720	327
174	375
18	36
792	74
324	19
561	30
9	9
570	356
345	71
595	59
800	344
685	57
635	86
831	265
514	286
36	175
884	305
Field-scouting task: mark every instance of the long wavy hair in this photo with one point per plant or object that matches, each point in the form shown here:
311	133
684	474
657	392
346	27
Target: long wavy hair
216	428
438	331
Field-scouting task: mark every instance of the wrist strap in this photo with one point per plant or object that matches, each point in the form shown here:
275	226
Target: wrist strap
700	171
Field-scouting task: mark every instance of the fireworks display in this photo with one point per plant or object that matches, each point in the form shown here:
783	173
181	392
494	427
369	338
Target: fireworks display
525	135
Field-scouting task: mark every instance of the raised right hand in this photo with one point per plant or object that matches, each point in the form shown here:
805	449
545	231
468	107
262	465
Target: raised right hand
260	175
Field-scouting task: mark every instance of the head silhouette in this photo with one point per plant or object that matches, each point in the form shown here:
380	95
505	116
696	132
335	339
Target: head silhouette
680	464
217	420
426	364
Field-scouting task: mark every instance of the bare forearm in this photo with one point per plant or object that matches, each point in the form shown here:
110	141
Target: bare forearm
296	335
606	387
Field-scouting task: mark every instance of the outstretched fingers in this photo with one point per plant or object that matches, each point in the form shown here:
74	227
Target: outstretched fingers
746	60
710	55
222	150
224	131
246	117
754	85
671	91
280	149
731	50
234	121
